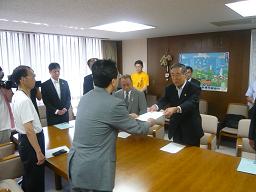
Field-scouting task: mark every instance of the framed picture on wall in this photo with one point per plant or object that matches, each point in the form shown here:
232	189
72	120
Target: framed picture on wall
211	69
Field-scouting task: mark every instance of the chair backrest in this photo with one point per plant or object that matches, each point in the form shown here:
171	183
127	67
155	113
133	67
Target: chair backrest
238	109
10	161
42	115
203	106
209	123
14	167
243	128
6	150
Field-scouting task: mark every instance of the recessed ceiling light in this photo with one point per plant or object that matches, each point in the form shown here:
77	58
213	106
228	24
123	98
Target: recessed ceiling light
122	26
244	8
3	19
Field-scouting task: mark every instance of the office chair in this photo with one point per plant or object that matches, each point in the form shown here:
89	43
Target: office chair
243	149
209	125
238	111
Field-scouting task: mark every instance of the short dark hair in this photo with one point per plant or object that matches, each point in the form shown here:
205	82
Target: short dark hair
92	60
189	68
138	62
126	76
179	65
103	71
54	66
19	72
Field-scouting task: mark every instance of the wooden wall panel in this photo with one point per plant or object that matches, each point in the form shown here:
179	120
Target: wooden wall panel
237	43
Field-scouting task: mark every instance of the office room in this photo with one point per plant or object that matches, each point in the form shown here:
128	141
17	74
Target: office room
161	100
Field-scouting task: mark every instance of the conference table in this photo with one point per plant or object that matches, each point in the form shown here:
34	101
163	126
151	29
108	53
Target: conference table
142	167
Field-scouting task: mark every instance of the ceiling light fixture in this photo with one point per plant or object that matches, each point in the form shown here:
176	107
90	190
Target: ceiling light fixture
122	26
4	20
244	8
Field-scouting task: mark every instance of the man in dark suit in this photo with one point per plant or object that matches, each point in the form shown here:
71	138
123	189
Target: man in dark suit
252	130
182	97
56	97
88	80
189	73
134	99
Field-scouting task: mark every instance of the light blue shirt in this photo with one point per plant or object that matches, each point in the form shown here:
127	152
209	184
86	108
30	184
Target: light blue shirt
251	92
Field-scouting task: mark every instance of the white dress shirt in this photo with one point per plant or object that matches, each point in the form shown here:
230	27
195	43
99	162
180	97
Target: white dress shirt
56	84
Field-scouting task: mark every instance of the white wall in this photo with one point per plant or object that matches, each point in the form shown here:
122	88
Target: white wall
133	50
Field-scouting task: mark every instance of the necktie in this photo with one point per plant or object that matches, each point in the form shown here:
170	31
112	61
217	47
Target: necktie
10	111
126	99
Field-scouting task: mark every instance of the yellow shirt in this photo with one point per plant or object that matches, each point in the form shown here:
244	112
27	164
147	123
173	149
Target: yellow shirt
140	80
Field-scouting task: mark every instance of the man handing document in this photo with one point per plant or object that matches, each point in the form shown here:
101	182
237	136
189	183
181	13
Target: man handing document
182	97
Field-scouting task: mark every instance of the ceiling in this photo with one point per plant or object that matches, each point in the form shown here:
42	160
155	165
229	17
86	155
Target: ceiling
170	17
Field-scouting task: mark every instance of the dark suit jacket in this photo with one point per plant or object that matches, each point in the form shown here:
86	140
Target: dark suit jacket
196	82
88	84
252	130
52	101
185	127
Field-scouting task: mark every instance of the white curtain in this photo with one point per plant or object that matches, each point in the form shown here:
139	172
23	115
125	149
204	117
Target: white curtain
39	50
252	74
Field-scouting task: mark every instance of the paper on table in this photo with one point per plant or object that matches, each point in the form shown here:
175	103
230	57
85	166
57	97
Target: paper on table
172	147
63	126
49	152
153	115
123	134
247	166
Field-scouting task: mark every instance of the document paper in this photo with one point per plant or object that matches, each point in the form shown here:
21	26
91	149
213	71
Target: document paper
172	147
49	152
123	134
63	126
153	115
247	166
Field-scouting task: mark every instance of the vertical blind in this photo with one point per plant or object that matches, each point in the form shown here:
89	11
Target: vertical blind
252	74
39	50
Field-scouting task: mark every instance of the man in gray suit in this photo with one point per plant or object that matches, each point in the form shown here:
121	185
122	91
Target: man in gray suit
135	100
92	157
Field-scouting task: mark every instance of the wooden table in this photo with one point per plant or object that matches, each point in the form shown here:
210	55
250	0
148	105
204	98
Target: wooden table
142	167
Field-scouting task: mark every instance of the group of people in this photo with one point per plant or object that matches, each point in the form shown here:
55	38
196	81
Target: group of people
91	160
101	113
56	97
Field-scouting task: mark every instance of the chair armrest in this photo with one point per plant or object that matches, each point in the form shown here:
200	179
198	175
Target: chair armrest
13	164
209	141
6	149
5	144
9	157
239	146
